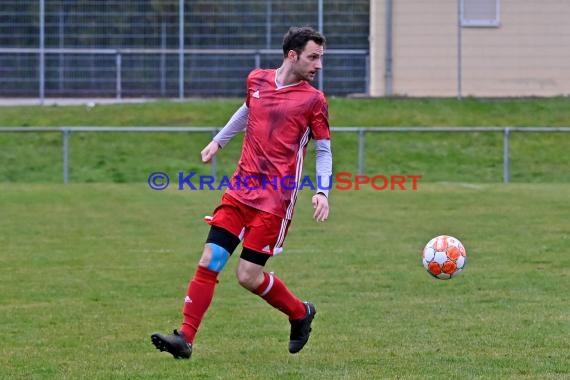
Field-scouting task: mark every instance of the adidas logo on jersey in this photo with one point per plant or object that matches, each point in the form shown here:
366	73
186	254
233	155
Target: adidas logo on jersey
256	94
267	249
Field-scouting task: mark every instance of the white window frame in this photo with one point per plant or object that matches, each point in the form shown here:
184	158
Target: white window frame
480	23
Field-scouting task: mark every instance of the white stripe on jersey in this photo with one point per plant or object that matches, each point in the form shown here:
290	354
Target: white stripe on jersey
298	172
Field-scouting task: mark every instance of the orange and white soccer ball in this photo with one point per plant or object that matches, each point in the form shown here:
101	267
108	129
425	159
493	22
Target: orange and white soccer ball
444	257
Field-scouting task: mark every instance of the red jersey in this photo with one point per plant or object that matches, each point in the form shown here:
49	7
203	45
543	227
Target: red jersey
280	124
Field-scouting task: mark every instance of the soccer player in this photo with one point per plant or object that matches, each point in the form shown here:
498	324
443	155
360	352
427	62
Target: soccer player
281	113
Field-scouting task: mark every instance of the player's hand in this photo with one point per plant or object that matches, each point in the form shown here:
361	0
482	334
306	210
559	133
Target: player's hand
209	151
321	206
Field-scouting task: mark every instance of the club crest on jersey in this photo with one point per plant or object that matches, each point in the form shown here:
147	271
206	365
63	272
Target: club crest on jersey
256	94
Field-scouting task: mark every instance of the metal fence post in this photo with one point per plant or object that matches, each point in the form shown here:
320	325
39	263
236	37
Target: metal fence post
367	83
66	132
459	50
214	159
506	163
388	72
320	23
60	31
42	57
163	59
268	16
119	64
361	132
181	50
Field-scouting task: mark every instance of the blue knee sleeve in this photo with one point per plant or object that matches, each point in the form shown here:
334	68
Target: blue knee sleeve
219	259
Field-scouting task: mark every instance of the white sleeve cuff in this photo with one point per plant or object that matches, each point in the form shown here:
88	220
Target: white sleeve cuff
323	166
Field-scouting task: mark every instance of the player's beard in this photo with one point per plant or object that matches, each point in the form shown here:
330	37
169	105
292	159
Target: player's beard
304	74
308	76
311	76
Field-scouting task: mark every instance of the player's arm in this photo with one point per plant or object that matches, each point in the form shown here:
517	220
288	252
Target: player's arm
235	125
324	177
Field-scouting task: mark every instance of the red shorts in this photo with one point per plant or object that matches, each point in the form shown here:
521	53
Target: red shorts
259	230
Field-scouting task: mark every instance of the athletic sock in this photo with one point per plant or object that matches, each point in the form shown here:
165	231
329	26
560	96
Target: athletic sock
275	292
198	298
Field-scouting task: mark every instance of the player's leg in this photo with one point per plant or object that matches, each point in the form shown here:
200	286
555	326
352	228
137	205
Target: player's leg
217	250
222	240
251	275
268	236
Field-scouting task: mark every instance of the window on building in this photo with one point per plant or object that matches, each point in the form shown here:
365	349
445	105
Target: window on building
480	13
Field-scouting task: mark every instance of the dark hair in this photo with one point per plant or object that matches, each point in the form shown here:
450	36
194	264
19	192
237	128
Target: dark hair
296	38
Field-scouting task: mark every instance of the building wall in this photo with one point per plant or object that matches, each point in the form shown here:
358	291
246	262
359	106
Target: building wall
527	55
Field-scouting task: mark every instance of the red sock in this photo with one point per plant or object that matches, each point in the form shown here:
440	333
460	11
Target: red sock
274	291
198	298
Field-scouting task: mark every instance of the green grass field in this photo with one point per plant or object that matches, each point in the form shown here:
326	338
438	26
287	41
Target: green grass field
90	270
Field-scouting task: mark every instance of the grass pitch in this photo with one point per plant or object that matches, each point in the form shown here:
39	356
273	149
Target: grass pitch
89	271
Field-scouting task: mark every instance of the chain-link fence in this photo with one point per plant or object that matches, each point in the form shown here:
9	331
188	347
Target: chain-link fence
169	48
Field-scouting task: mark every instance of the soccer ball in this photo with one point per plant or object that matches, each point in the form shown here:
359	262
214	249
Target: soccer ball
444	257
